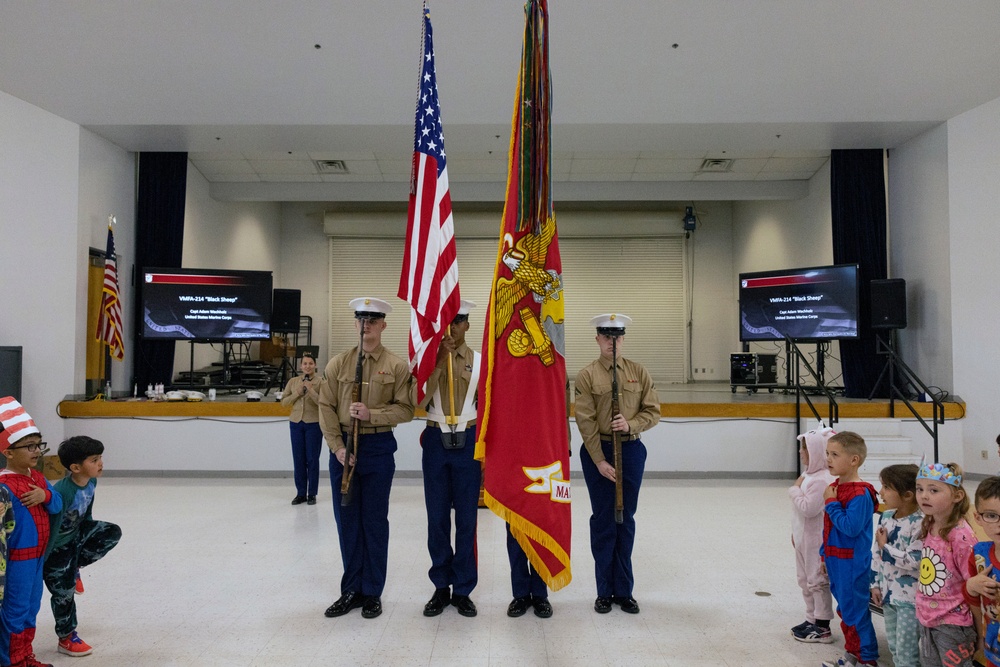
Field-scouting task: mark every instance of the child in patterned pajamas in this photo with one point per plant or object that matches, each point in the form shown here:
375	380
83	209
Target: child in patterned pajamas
77	539
896	562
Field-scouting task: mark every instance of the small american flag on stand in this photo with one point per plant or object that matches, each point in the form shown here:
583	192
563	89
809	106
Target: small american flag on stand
429	276
109	324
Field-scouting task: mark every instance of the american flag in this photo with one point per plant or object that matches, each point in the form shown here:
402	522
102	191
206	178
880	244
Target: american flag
109	325
429	277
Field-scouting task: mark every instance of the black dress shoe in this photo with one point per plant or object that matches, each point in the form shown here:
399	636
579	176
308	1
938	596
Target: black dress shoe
629	605
438	602
518	606
346	603
464	604
372	607
602	605
311	500
542	607
298	500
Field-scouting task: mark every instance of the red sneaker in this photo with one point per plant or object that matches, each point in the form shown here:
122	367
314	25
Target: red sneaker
72	645
79	584
32	661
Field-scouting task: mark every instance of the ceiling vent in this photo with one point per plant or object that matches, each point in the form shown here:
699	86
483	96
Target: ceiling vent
716	166
331	167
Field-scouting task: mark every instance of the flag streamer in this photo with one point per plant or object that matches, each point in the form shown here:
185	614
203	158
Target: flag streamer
523	428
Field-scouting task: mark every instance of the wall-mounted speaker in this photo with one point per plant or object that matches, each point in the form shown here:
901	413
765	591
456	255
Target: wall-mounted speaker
286	306
889	304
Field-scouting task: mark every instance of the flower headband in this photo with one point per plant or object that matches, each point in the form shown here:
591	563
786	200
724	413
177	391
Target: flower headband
938	472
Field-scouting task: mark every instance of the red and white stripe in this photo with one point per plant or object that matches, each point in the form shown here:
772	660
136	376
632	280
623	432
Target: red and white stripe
429	278
15	421
109	326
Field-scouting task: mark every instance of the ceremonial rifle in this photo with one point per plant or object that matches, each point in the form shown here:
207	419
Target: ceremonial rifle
616	438
351	458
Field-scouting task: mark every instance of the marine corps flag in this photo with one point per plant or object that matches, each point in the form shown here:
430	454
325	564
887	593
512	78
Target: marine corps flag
523	437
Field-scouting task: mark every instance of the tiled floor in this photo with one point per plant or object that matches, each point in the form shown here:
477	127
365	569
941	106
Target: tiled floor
225	572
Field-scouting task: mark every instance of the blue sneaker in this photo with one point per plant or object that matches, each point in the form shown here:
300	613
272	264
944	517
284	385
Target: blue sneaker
813	634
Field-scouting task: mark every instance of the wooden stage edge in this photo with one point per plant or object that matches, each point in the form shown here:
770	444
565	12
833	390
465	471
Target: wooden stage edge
856	409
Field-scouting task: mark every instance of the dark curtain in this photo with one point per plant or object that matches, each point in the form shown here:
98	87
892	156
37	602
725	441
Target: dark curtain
159	240
857	199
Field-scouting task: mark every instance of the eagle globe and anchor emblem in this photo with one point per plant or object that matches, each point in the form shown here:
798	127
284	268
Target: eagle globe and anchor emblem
541	335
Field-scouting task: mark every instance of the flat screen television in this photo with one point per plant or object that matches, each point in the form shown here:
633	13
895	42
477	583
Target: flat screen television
206	304
816	303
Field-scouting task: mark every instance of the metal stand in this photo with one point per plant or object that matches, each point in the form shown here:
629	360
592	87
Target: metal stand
889	367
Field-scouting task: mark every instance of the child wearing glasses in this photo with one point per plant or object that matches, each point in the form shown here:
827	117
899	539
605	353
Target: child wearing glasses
33	499
896	562
981	589
947	633
77	539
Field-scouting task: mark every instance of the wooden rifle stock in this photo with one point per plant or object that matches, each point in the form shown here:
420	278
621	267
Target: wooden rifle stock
616	438
352	445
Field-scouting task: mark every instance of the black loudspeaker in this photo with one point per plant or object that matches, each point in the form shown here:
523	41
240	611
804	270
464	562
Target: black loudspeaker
889	304
10	371
286	306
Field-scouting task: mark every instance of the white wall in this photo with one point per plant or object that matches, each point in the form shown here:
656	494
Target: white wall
39	187
919	253
973	209
305	261
107	187
770	235
713	325
242	236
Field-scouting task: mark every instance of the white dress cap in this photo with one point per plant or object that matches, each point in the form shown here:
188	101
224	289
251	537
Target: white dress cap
611	321
367	304
465	307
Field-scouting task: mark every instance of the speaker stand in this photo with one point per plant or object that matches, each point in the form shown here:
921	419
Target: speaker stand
890	366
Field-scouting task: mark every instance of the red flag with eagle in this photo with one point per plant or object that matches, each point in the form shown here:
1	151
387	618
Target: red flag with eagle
523	437
429	276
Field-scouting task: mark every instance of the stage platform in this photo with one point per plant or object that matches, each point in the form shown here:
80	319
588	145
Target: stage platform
709	400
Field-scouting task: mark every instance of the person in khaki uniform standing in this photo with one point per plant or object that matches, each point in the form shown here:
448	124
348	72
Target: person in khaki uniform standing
452	475
302	396
386	400
639	410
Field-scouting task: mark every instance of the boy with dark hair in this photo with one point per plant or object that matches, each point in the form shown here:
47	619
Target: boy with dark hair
77	540
982	587
847	546
33	499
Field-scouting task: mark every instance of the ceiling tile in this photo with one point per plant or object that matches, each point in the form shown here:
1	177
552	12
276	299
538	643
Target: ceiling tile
606	166
663	176
748	165
784	175
339	155
794	164
290	178
667	166
216	167
303	167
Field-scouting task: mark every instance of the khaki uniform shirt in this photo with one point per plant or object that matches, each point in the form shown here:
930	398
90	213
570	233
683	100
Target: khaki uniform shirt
637	402
463	358
304	408
386	391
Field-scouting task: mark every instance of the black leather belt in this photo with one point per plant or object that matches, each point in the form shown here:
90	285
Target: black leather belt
623	437
368	430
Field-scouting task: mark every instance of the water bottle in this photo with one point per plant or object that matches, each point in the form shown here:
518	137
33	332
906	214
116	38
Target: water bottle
107	390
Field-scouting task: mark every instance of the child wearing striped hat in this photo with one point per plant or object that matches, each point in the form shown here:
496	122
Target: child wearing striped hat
33	499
